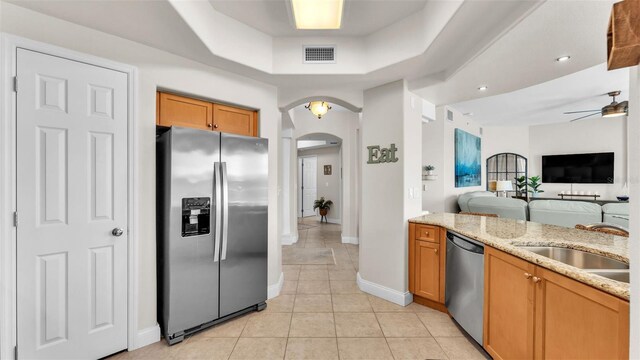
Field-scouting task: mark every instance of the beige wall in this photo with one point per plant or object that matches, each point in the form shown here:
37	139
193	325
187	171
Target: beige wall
584	136
343	124
160	69
328	186
390	191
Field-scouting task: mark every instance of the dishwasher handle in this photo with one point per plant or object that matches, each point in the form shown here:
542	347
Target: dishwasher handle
465	244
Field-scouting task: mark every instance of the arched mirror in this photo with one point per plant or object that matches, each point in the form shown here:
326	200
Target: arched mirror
507	166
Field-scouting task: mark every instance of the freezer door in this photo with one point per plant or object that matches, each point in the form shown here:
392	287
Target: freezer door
243	258
190	270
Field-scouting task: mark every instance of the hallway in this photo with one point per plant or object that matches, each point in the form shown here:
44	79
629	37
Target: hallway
322	314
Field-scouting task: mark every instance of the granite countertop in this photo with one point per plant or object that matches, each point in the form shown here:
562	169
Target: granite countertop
504	234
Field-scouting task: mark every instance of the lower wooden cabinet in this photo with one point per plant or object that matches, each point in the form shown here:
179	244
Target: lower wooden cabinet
427	281
427	257
508	306
532	312
576	321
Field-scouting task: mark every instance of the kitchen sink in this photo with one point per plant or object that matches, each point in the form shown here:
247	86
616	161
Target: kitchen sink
578	258
617	275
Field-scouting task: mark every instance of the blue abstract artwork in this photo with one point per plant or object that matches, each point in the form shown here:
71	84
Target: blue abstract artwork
468	147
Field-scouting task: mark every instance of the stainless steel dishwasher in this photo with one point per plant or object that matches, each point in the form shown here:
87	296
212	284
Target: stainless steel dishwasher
464	291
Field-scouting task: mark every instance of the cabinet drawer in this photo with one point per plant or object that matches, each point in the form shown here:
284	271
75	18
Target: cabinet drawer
428	233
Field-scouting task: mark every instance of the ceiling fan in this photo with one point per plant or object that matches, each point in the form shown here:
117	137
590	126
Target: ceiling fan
612	110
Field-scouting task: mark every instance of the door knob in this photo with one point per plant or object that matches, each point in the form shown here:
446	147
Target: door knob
215	126
117	232
209	125
436	250
528	276
536	279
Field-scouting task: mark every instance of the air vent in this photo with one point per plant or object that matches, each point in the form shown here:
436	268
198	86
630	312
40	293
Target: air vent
325	54
449	115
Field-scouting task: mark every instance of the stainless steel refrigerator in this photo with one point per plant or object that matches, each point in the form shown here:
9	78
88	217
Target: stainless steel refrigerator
211	228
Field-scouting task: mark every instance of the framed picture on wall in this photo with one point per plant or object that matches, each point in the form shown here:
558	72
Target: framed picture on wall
327	169
467	159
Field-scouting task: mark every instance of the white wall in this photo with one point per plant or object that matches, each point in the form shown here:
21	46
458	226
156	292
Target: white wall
500	139
342	124
328	185
584	136
439	150
390	116
160	69
634	238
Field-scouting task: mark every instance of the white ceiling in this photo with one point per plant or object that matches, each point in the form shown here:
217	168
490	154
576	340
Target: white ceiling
525	55
545	103
360	17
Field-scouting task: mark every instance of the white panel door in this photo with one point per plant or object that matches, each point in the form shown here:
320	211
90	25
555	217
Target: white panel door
72	194
309	184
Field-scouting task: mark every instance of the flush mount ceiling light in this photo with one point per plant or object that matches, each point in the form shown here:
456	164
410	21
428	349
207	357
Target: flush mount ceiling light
318	108
482	88
317	14
563	58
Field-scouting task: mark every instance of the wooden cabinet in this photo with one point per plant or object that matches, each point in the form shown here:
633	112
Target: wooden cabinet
234	120
427	281
508	306
183	111
427	256
531	312
576	321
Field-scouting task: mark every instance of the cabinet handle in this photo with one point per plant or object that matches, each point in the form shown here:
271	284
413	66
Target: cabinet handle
536	279
436	250
209	125
215	126
528	276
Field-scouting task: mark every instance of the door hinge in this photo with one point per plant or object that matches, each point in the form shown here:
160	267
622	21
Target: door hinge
15	219
15	84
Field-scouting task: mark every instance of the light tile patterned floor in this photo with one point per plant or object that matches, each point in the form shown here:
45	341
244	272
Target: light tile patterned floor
321	314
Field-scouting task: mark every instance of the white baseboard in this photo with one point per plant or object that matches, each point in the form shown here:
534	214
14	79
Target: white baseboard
396	297
146	337
289	239
350	240
274	290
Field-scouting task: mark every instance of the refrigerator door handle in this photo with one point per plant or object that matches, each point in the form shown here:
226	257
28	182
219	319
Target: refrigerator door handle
225	211
218	199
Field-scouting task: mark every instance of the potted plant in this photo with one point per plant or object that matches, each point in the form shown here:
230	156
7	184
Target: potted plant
429	169
534	184
323	206
521	185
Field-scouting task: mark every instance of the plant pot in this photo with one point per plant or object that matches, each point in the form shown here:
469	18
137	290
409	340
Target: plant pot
323	212
430	172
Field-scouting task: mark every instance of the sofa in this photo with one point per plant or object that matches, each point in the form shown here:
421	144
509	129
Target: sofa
616	214
503	207
554	212
463	199
564	213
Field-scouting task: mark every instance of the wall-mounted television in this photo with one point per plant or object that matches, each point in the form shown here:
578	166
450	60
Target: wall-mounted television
596	168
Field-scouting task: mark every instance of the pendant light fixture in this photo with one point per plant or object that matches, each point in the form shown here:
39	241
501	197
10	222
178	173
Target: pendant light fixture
318	108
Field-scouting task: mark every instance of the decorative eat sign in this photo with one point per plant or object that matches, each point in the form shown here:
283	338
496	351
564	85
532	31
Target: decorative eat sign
379	155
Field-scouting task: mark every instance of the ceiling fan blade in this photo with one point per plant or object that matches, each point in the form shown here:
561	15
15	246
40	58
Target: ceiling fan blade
582	111
586	116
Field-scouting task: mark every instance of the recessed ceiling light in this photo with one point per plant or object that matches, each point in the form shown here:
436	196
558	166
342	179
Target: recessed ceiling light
563	58
317	14
482	88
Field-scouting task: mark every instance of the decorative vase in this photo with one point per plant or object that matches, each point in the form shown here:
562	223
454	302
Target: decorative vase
323	212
